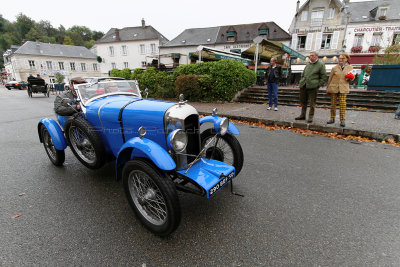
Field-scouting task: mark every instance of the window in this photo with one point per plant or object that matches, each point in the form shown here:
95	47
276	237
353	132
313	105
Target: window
83	66
376	39
153	48
49	65
396	39
316	18
304	16
111	49
72	65
126	65
358	39
382	12
301	42
331	13
61	65
31	64
263	32
113	65
231	37
326	41
124	50
95	66
142	49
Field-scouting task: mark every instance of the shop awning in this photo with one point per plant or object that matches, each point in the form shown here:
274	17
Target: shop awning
268	49
211	55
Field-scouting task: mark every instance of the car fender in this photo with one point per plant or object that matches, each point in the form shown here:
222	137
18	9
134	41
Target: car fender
57	135
216	120
149	148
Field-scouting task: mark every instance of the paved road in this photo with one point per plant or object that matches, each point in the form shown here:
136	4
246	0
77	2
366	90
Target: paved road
308	201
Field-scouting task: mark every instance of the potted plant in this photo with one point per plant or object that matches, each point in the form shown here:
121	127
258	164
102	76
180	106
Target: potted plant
374	49
59	86
382	17
356	49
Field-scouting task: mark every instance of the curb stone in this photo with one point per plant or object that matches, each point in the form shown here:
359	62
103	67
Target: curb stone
315	127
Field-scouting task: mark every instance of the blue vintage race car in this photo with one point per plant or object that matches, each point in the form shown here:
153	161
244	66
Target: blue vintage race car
157	147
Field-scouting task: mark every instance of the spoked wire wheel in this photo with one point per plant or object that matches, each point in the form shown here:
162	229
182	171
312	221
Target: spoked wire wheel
147	197
85	142
225	148
152	195
57	157
81	144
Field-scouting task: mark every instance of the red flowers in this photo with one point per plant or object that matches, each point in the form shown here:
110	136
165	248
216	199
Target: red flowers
350	76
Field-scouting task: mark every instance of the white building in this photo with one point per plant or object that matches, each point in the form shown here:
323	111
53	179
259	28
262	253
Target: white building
48	59
229	38
131	47
374	26
319	25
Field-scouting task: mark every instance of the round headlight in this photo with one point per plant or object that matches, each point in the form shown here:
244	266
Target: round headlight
178	140
223	126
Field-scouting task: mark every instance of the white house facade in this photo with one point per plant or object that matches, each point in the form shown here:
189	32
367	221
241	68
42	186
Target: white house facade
131	47
48	59
319	25
374	26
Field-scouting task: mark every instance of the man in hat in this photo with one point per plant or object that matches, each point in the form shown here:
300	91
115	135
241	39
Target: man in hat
74	107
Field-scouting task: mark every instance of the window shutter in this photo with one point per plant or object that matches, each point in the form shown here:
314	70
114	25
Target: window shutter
318	41
335	39
44	67
309	41
294	41
26	64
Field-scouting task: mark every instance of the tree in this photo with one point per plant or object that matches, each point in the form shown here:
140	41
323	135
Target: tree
89	44
84	32
75	37
32	35
390	57
68	40
24	24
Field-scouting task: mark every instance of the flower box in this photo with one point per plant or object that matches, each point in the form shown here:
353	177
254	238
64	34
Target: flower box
374	49
356	49
382	17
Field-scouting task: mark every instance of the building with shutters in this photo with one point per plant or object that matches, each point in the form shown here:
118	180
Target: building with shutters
48	59
229	38
373	26
130	47
318	25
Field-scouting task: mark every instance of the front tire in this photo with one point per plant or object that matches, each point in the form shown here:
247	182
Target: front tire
57	157
152	196
228	149
85	143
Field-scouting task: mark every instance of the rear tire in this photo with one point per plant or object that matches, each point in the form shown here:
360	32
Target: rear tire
57	157
85	143
152	196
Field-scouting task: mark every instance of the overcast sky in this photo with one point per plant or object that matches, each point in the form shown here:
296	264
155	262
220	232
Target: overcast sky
169	17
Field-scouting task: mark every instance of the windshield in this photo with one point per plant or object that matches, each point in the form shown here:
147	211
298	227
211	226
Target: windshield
88	91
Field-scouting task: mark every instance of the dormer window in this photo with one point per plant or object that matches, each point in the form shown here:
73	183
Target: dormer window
382	12
263	32
231	36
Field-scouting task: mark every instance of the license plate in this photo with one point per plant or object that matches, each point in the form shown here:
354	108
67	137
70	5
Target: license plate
221	184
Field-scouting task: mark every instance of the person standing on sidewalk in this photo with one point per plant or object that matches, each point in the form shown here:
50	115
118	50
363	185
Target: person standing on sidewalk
272	78
313	77
339	86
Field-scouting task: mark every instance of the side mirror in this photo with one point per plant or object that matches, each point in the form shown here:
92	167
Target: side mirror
66	102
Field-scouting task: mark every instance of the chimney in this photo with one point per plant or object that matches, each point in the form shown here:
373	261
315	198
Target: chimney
117	38
143	23
297	6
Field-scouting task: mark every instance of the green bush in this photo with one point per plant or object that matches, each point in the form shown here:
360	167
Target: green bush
125	73
115	73
59	78
193	87
224	78
159	83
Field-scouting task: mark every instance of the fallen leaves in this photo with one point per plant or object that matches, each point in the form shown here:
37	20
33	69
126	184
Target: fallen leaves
311	133
16	215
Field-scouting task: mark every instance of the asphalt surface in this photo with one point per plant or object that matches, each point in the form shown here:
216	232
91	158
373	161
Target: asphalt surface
309	201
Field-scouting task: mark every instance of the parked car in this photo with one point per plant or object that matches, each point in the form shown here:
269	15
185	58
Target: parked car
16	85
157	146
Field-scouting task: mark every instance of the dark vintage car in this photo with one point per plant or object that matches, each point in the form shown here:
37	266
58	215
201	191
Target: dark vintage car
37	85
16	85
158	147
